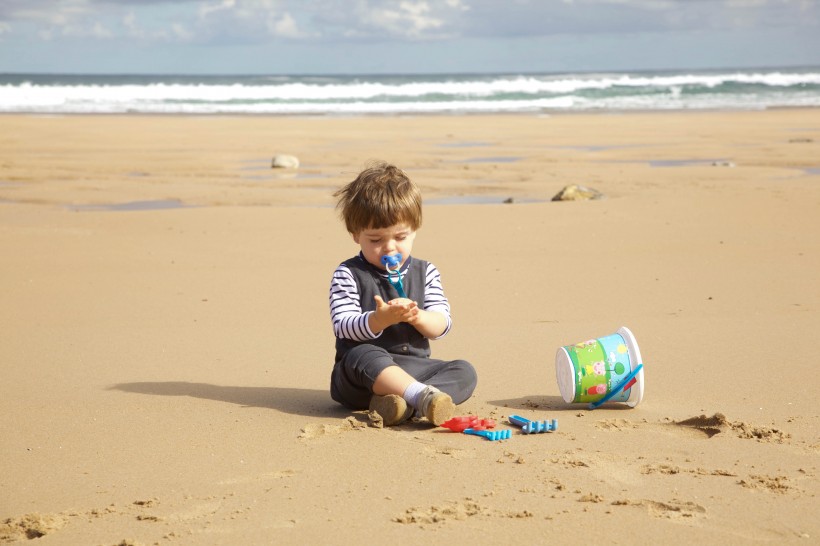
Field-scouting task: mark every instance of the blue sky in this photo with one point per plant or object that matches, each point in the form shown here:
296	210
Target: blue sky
403	36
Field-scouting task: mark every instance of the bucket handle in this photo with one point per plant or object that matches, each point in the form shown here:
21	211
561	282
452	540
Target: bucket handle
618	388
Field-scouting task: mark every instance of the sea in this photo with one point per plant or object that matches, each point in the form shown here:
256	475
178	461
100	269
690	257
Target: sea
729	89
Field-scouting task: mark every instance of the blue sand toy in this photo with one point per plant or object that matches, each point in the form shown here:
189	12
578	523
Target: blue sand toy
627	383
394	261
533	427
491	435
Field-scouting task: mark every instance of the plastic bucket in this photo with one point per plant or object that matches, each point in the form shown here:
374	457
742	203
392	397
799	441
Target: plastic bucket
589	371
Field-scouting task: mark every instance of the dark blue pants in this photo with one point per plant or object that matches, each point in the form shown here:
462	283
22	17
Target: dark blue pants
351	383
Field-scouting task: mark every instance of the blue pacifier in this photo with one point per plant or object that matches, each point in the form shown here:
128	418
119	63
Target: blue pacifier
394	261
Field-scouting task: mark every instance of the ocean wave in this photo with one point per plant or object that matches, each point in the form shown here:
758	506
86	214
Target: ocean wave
411	93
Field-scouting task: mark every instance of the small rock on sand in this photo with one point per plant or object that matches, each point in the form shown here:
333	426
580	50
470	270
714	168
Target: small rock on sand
575	192
283	161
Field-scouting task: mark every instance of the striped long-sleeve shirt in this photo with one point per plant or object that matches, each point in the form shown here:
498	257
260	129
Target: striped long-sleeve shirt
350	322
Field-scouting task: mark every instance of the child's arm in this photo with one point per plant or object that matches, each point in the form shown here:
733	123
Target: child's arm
349	322
436	321
430	324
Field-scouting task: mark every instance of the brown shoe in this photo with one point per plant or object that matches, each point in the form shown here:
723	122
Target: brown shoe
393	409
436	406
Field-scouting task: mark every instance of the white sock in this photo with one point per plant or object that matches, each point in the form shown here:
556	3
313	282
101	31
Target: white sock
412	392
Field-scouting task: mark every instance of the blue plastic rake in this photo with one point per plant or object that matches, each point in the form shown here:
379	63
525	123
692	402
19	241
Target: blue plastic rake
533	427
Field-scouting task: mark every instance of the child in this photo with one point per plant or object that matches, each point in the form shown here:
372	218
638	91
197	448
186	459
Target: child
382	340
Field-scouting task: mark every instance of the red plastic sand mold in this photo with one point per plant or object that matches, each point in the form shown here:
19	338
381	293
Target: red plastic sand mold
462	423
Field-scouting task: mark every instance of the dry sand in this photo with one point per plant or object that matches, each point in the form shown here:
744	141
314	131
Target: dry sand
165	368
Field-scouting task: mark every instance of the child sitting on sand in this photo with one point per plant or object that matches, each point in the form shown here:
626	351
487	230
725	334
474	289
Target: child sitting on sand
382	339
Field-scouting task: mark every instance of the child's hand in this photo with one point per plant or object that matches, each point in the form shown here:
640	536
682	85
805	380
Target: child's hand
396	310
411	306
429	324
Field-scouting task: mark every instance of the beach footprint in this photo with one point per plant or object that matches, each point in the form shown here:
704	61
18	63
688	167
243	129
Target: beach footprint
616	424
461	510
318	430
446	451
718	423
671	510
31	526
267	476
706	425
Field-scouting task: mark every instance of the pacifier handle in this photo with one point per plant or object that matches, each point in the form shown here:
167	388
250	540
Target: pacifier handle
395	261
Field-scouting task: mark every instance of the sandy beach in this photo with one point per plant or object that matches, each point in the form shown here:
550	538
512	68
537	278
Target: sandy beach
166	344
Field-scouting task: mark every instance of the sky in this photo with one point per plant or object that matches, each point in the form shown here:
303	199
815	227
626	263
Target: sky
403	36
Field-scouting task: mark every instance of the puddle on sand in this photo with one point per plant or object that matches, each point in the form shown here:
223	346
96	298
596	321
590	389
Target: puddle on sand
478	200
496	159
284	175
466	144
663	163
687	162
157	204
599	147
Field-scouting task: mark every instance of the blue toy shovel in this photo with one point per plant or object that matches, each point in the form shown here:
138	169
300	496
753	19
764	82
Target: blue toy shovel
627	382
491	435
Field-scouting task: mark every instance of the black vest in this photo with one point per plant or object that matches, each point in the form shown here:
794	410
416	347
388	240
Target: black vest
399	339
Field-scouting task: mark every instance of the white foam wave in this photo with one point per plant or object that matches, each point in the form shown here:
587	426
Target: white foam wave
358	107
340	95
52	95
569	103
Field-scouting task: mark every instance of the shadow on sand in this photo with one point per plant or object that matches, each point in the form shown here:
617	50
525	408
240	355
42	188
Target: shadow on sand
308	402
549	403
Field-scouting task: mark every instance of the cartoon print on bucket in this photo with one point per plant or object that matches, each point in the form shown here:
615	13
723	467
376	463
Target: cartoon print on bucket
590	370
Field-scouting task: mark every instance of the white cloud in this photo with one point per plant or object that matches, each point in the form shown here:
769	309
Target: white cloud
247	20
181	32
100	31
383	20
129	22
206	10
285	26
408	19
745	3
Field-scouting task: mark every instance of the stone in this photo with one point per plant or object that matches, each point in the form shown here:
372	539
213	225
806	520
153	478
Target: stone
283	161
575	192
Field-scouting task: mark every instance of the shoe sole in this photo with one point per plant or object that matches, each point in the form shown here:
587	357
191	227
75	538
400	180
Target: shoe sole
441	409
391	407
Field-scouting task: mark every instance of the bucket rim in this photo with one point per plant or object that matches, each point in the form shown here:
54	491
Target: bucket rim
632	347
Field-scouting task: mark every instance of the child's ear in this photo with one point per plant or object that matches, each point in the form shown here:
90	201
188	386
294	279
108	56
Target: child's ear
355	237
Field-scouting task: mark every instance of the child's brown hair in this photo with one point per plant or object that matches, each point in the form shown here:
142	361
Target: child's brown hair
381	196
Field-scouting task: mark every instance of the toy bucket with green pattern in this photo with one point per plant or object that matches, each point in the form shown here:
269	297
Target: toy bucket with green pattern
606	369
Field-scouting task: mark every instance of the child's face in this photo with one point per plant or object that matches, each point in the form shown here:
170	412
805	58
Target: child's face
375	243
